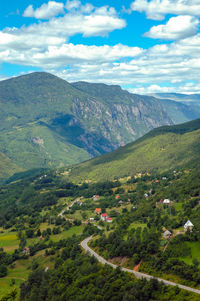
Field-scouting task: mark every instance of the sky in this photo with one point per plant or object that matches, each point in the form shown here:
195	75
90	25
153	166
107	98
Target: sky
145	46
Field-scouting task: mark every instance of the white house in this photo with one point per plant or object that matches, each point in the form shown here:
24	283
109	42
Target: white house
167	234
189	226
166	201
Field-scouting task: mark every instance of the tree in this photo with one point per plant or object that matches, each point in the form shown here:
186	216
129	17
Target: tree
3	270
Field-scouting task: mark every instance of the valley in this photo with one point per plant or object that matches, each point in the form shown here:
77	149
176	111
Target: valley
44	216
46	122
136	208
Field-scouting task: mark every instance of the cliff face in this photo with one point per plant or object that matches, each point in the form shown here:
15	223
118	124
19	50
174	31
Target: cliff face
47	122
119	123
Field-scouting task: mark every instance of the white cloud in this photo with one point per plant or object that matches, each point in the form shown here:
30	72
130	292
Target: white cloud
39	36
189	88
69	54
157	9
176	28
176	64
46	11
70	5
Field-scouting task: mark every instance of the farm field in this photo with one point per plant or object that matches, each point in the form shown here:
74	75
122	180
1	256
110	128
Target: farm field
9	241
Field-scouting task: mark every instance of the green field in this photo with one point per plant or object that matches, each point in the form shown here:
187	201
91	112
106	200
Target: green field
9	241
77	230
195	252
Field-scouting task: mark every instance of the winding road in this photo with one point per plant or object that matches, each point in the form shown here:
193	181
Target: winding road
84	245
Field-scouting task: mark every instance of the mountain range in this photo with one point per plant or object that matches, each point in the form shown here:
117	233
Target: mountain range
48	122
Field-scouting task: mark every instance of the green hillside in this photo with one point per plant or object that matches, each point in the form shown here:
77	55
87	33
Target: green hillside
46	122
7	167
160	150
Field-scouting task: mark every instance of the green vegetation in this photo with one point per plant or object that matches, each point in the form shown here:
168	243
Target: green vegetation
84	279
44	216
46	122
165	148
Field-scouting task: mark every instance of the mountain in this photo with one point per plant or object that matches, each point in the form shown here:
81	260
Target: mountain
178	112
191	102
163	149
185	98
48	122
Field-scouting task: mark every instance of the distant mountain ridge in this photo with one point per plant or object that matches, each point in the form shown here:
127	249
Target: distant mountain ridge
48	122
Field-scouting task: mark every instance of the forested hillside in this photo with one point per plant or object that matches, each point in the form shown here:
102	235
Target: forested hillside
164	148
47	122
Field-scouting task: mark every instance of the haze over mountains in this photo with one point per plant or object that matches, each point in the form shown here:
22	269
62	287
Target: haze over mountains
48	122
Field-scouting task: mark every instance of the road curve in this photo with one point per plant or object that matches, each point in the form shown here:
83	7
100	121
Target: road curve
84	245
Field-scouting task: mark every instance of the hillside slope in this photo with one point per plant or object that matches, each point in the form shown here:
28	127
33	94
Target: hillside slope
7	167
48	122
162	149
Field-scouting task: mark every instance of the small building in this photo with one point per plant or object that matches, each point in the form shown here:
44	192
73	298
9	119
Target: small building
166	201
104	217
167	234
120	202
189	226
109	219
26	251
91	219
97	211
146	195
95	197
117	197
156	181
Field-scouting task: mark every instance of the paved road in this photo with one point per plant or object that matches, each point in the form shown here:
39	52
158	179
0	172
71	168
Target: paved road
84	245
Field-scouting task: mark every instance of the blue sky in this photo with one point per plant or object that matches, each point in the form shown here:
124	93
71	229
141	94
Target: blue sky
147	46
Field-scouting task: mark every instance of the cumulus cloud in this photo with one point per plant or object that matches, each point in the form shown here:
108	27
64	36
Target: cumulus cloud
159	68
70	5
176	28
46	11
157	9
57	31
70	54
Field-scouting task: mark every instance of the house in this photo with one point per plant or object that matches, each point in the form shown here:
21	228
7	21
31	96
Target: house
167	234
120	202
97	210
26	251
95	197
117	197
189	226
91	219
109	220
156	181
146	195
104	217
166	201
